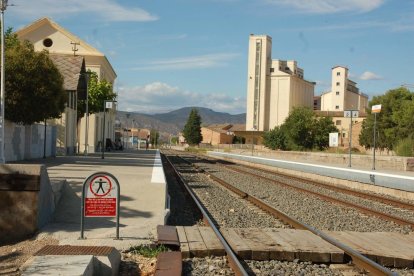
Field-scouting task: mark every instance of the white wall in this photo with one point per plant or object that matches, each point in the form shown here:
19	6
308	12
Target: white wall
27	142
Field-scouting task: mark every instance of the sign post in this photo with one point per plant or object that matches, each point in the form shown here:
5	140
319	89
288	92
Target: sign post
350	114
375	109
100	198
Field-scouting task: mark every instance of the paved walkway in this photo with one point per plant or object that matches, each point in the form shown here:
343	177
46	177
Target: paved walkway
143	198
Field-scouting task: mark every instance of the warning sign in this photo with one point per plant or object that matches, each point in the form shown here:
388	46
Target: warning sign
100	207
100	196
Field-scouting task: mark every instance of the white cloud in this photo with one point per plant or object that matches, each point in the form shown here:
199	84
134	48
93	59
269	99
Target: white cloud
182	63
330	6
158	97
367	75
108	10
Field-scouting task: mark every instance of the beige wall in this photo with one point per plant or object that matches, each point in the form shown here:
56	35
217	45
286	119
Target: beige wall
344	94
214	137
274	87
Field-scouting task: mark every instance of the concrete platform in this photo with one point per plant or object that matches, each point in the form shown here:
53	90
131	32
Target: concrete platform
398	184
59	265
143	203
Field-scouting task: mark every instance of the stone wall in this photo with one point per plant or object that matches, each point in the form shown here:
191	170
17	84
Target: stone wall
362	161
26	201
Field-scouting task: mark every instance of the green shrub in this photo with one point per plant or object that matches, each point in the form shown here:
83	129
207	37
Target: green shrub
148	251
405	147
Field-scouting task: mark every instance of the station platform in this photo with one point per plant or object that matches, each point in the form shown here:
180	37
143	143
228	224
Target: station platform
143	198
395	183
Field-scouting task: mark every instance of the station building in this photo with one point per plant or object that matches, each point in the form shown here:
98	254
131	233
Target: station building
46	34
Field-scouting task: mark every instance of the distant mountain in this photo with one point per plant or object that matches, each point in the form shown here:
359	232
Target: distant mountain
174	121
208	116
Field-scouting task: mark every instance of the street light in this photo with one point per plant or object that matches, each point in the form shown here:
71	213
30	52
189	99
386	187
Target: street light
127	132
254	129
85	152
107	104
2	103
132	133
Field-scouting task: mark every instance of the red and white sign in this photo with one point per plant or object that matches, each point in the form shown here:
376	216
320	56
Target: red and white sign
100	197
376	108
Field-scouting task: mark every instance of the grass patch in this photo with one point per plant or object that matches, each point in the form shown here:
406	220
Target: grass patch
196	150
148	251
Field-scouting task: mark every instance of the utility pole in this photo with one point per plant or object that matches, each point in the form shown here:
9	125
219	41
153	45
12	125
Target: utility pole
350	114
2	103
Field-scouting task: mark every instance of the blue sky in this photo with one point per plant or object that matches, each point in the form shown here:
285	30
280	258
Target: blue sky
177	53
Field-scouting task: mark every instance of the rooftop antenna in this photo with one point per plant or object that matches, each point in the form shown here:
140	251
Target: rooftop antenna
74	49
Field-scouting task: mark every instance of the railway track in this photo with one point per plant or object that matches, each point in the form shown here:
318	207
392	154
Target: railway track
361	261
398	207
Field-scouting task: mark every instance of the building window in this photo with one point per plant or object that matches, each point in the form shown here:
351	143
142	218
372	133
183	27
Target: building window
338	83
272	70
338	73
337	92
337	107
338	122
47	42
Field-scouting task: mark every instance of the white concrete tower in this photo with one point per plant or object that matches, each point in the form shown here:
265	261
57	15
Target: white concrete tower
259	62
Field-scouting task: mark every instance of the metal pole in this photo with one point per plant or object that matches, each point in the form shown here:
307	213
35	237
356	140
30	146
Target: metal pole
44	143
87	119
103	133
350	141
139	141
375	124
2	104
132	133
252	143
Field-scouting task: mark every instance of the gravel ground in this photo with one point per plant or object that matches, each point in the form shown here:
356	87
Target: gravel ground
324	215
289	268
389	209
229	212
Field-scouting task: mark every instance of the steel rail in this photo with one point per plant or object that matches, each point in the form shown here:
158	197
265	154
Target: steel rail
364	209
231	256
358	259
394	202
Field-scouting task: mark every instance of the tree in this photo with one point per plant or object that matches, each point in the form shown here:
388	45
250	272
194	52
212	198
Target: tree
394	123
192	129
33	84
298	127
98	93
302	130
275	139
154	136
321	129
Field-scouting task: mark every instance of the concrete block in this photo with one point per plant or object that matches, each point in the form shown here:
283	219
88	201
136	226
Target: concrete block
59	265
108	265
26	200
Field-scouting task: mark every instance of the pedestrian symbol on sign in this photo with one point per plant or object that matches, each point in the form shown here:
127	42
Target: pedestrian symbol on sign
100	186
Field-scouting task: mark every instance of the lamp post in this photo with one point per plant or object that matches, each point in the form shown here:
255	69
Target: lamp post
132	132
254	129
127	131
2	103
107	104
375	109
85	152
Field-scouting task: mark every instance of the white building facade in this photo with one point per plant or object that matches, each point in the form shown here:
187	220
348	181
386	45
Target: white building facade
344	94
46	34
274	87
